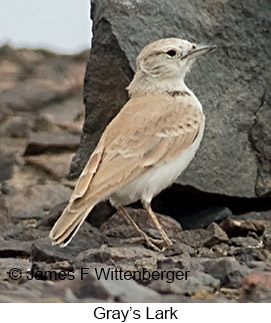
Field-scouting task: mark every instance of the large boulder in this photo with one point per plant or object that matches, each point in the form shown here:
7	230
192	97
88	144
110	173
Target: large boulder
231	83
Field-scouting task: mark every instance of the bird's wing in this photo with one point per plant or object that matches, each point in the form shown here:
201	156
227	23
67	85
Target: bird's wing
147	131
88	172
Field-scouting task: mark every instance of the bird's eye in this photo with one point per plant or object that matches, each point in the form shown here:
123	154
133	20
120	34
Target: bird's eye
171	53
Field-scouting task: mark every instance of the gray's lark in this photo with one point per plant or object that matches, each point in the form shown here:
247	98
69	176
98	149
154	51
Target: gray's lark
147	145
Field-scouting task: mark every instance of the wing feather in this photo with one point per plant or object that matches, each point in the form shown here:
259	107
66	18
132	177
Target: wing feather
146	132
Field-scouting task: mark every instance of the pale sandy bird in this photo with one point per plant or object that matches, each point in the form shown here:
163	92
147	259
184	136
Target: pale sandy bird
147	145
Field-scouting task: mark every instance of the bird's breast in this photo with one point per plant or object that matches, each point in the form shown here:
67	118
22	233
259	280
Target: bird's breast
157	178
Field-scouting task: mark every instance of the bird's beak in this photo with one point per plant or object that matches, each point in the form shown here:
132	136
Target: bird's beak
198	51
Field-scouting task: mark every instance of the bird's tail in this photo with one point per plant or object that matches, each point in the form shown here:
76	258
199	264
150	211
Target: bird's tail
68	224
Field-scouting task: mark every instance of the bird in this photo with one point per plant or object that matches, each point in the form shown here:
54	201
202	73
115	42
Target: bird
146	147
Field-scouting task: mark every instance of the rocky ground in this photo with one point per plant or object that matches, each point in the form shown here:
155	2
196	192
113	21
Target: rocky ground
225	250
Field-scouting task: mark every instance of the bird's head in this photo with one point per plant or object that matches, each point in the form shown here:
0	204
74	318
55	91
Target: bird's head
169	58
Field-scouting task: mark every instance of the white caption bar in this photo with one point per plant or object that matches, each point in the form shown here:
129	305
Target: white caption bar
135	312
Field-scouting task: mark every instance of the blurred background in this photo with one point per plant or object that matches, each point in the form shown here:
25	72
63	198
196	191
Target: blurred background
63	26
44	47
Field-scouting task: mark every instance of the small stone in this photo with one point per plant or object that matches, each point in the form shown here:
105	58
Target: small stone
42	123
203	237
217	235
257	280
7	189
246	255
244	242
54	213
235	228
267	238
256	287
18	127
179	248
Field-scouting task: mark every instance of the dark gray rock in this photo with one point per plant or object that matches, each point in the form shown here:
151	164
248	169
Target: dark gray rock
4	211
20	231
230	84
31	293
203	237
227	270
82	288
42	270
87	237
247	255
13	249
17	127
105	254
204	217
100	213
261	138
6	265
33	95
54	214
5	167
216	235
260	215
196	282
130	291
41	142
33	201
105	82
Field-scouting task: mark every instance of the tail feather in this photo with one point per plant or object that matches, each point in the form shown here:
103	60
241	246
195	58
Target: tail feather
67	225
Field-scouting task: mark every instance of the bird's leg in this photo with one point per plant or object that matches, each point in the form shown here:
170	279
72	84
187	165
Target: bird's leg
155	221
149	241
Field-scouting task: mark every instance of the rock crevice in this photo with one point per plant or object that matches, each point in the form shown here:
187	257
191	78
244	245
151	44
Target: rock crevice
228	84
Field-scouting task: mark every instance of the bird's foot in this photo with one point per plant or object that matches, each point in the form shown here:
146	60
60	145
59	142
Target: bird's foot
154	244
